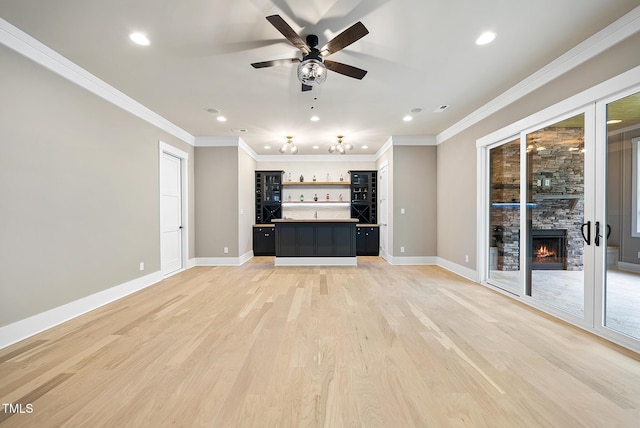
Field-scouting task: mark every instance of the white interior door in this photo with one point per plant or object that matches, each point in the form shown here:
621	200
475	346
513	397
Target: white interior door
171	213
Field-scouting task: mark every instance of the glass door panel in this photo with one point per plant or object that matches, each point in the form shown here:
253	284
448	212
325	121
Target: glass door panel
555	215
622	231
504	216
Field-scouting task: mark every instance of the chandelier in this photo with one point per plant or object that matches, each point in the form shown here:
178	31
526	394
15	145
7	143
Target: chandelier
340	147
289	146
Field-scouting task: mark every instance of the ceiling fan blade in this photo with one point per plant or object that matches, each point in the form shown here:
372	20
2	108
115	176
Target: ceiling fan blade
286	30
344	39
306	88
347	70
274	62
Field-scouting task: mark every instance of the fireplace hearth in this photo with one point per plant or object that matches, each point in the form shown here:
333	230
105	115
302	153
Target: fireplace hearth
548	249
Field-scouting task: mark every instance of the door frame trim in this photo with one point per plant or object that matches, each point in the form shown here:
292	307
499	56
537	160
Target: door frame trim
184	201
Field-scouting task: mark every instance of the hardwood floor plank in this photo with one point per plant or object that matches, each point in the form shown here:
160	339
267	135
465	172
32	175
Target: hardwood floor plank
373	346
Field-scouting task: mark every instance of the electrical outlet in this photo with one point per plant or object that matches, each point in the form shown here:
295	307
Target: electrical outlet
225	250
401	210
466	258
141	265
639	254
402	249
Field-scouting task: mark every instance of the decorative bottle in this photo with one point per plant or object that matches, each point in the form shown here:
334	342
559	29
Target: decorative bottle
314	178
341	178
301	178
301	197
327	197
315	197
328	178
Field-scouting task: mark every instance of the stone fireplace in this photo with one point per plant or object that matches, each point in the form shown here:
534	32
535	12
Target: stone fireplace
549	249
555	187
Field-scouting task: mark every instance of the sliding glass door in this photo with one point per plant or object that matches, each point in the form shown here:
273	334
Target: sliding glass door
555	171
620	241
561	211
504	216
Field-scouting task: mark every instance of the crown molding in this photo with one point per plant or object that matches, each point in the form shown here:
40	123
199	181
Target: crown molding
31	48
316	158
414	140
216	141
611	35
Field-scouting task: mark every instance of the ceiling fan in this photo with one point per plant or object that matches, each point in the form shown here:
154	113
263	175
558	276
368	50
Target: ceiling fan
313	66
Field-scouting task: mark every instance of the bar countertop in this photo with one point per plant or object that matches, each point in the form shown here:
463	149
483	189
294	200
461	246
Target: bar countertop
315	220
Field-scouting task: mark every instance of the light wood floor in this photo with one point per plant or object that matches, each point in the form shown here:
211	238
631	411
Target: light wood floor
373	345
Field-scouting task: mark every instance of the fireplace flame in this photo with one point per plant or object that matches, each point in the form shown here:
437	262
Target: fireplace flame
543	252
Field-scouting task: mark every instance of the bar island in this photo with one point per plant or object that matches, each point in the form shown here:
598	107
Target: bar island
315	242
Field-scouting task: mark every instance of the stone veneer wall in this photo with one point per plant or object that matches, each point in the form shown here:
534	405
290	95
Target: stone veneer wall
505	220
564	168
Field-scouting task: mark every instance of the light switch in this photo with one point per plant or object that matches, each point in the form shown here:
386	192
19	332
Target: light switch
401	210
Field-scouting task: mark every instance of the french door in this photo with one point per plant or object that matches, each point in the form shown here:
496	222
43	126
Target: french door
562	216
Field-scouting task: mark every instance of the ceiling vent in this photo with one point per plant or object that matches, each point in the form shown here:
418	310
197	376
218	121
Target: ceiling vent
441	108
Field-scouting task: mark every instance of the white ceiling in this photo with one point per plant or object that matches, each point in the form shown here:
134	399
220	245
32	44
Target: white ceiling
418	53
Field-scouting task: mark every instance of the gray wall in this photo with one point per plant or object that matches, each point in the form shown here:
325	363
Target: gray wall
619	196
414	189
217	201
457	156
79	191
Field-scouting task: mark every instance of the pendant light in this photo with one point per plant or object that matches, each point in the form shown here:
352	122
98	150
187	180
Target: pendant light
289	146
340	147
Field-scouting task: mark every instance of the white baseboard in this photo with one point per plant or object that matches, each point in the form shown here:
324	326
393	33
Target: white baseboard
35	324
316	261
463	271
246	257
631	267
223	261
411	261
191	263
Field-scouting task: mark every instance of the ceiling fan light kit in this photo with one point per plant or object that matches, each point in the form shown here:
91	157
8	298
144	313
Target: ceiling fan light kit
312	72
313	67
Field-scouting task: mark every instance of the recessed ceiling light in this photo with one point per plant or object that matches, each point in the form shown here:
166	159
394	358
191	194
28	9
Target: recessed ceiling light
365	147
485	38
407	118
213	110
140	39
315	118
267	147
416	110
613	121
316	147
221	119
